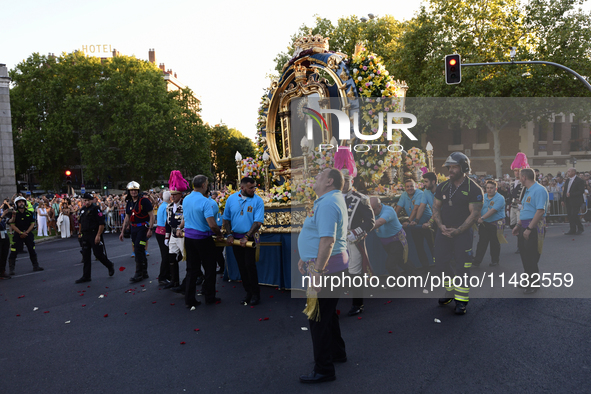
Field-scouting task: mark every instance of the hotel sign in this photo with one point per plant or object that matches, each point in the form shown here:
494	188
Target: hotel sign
99	50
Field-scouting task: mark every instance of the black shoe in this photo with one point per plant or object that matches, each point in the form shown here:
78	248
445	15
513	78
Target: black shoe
493	264
445	301
11	273
171	285
83	280
339	359
213	300
192	304
355	310
163	282
37	268
580	232
570	233
179	289
460	308
255	300
246	299
145	276
4	275
136	279
314	377
530	290
112	270
200	280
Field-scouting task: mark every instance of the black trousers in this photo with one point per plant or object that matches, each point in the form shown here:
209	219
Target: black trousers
419	234
17	244
139	238
327	341
164	264
173	267
4	250
487	233
572	213
245	257
200	252
219	257
89	247
528	249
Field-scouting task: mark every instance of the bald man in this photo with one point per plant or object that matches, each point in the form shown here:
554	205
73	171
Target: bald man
572	198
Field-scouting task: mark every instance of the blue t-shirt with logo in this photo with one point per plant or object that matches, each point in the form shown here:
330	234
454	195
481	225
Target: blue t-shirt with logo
497	202
534	198
392	225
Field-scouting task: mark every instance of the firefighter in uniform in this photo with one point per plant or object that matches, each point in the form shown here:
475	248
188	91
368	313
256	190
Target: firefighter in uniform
92	226
457	206
139	214
360	222
22	223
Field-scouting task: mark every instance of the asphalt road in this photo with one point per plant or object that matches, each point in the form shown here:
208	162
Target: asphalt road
131	340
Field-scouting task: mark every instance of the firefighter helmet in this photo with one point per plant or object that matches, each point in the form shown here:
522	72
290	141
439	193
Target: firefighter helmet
133	185
459	159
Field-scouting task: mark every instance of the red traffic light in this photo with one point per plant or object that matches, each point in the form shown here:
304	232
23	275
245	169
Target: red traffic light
452	62
453	69
68	172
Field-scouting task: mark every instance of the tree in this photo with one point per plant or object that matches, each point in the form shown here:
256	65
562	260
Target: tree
113	117
225	143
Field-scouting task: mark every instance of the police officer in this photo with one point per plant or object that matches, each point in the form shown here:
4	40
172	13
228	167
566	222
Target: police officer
492	219
457	206
243	216
22	223
139	214
531	228
92	226
360	222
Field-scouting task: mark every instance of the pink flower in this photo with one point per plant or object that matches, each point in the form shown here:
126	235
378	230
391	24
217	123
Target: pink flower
375	167
379	72
364	68
370	112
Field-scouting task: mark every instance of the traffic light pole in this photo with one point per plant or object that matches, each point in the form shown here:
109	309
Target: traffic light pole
573	72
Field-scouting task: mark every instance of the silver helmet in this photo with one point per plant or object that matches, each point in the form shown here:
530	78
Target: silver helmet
133	185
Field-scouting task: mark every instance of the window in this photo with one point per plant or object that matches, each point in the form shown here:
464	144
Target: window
482	136
557	131
542	132
457	136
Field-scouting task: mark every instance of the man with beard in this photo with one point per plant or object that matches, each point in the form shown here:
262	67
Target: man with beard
243	216
516	190
22	223
457	206
139	214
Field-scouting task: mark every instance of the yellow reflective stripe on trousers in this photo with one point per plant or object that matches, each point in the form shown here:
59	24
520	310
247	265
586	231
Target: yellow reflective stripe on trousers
463	289
467	265
448	286
461	298
142	242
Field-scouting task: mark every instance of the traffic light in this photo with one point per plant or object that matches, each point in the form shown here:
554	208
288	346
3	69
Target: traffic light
453	69
68	177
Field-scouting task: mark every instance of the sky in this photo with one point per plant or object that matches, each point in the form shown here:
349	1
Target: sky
222	50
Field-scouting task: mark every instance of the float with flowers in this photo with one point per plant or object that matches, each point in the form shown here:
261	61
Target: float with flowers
321	98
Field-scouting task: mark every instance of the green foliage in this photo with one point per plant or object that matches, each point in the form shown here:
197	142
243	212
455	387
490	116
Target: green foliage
225	143
114	117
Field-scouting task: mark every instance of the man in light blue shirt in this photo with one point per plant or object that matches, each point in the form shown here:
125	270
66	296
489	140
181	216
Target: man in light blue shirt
164	275
322	245
392	236
419	212
243	216
199	224
491	222
531	228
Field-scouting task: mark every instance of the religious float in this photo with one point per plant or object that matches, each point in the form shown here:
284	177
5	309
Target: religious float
299	120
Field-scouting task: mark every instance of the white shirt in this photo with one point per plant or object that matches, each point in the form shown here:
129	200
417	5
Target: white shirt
570	183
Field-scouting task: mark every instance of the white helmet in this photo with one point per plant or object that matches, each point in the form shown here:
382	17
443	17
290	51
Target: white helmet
20	198
133	185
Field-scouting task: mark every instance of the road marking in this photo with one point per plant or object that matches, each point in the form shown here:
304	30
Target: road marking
30	273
